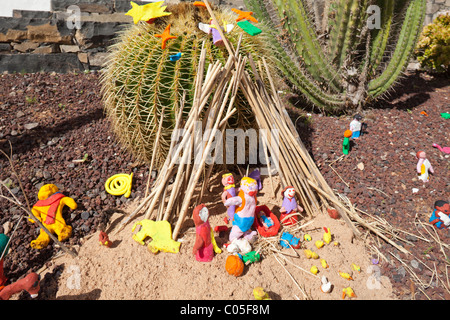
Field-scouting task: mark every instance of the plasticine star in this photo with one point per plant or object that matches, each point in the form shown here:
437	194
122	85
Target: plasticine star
244	15
147	12
165	36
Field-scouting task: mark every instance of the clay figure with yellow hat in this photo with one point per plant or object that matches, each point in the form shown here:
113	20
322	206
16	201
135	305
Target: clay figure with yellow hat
48	210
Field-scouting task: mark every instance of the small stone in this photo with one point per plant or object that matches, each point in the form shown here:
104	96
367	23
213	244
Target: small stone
401	271
85	228
85	215
47	175
360	166
30	126
415	264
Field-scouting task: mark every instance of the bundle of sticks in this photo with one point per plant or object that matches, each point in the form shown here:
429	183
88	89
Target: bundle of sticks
214	97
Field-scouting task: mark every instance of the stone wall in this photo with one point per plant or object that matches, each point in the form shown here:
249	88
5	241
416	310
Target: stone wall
435	8
34	41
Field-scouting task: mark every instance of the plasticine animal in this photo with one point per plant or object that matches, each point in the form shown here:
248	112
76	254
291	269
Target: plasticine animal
289	206
245	212
423	166
205	243
48	210
30	283
161	234
440	216
442	149
229	191
103	239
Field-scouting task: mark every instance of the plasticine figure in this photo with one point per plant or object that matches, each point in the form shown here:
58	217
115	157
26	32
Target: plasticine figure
264	220
245	212
423	166
103	239
355	126
29	283
229	191
161	234
346	143
205	243
256	175
49	211
3	244
211	28
440	216
289	206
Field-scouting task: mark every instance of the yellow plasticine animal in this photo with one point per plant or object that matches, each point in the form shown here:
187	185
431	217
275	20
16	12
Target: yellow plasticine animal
319	244
308	253
345	275
314	255
314	270
260	294
324	263
348	292
161	234
119	184
48	210
356	268
327	235
307	237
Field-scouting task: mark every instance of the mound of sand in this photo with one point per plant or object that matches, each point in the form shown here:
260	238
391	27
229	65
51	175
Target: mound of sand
129	271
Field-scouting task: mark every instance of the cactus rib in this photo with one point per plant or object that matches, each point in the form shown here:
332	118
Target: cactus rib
408	36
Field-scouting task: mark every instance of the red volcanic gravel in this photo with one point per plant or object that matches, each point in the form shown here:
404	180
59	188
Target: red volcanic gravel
53	119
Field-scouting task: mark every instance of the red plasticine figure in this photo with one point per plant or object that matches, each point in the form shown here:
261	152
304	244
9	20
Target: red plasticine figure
30	284
440	216
205	243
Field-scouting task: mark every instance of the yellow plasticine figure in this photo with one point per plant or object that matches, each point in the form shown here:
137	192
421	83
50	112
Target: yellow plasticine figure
161	234
49	211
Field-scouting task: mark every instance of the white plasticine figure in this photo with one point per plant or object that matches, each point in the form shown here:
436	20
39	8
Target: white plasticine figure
355	126
423	166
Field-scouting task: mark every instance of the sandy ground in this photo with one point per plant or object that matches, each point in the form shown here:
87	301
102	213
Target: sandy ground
129	271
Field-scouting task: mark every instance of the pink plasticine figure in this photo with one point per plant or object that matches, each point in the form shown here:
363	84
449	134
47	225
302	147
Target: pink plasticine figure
205	244
423	166
244	215
289	206
442	149
229	191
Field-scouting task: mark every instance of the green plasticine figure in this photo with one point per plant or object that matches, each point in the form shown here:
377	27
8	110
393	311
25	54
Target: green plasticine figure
346	143
445	115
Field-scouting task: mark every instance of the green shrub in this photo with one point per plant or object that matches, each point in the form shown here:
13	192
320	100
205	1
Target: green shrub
433	48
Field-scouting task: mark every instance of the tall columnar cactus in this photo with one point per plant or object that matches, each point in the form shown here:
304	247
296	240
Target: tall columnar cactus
142	88
363	49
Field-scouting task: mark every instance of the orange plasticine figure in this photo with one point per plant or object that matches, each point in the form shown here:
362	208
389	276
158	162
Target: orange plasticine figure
49	211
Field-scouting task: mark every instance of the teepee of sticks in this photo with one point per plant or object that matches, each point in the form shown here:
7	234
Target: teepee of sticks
174	192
